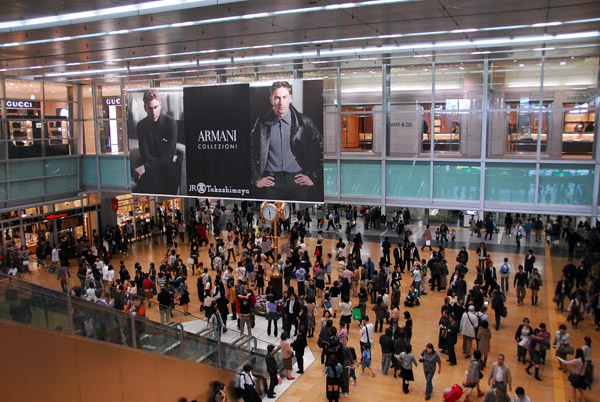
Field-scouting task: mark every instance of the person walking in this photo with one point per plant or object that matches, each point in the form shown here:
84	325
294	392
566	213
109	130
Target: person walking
333	369
484	335
504	275
426	239
535	282
468	329
248	385
387	350
535	342
473	376
562	345
524	332
429	358
451	339
299	344
577	376
406	359
520	282
499	376
563	289
286	355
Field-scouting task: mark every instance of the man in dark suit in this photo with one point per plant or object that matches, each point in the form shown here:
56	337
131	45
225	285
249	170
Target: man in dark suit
451	339
273	370
398	256
157	136
292	310
406	260
286	150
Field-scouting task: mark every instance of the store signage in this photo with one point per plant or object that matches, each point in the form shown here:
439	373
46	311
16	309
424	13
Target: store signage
56	216
19	104
115	204
113	101
401	124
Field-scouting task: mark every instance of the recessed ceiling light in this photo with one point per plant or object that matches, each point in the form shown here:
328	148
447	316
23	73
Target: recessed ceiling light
521	65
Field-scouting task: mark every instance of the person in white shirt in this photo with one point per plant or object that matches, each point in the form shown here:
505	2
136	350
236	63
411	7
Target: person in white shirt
240	272
366	333
55	258
468	325
104	271
520	395
90	293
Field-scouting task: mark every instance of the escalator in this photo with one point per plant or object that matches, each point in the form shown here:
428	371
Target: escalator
32	311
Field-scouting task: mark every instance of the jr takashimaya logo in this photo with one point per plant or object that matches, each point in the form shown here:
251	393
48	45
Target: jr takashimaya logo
202	188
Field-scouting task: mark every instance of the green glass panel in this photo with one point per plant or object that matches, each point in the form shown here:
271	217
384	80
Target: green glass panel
510	182
456	180
2	171
61	184
112	171
61	166
407	179
27	188
26	169
330	177
361	178
566	184
2	191
89	174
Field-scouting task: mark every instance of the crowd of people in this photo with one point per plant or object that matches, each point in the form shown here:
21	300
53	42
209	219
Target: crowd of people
238	272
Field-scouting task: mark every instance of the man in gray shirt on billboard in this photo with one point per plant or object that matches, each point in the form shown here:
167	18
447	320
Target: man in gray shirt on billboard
286	150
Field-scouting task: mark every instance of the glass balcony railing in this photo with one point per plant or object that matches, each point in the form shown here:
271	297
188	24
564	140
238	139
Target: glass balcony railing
49	309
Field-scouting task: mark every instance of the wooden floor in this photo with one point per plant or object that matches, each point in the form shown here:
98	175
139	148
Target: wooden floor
311	385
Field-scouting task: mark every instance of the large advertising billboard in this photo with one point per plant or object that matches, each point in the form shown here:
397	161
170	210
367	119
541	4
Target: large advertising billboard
229	141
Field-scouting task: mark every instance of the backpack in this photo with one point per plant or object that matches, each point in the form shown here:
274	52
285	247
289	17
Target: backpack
504	268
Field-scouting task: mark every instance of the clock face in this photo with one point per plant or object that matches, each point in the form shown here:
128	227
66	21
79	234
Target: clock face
269	212
285	210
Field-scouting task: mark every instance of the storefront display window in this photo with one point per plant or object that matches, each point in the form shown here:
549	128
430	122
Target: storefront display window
357	129
523	127
446	127
579	130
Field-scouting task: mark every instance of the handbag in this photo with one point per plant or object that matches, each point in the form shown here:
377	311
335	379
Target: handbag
555	300
566	349
190	260
504	312
524	342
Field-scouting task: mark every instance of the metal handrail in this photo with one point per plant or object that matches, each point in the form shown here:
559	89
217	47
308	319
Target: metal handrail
245	345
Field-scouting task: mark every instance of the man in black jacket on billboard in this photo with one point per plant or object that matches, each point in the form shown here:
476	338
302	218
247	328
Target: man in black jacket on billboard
286	151
157	136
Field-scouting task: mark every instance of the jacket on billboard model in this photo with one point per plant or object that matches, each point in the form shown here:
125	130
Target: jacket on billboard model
157	171
286	152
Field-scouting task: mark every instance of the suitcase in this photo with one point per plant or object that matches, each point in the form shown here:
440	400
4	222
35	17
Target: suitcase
453	394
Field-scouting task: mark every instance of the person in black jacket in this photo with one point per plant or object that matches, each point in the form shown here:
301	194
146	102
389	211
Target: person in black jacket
286	150
451	339
460	288
489	277
520	283
273	371
563	289
387	350
463	256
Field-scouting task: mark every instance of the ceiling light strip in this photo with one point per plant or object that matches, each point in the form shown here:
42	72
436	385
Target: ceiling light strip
131	10
283	12
356	51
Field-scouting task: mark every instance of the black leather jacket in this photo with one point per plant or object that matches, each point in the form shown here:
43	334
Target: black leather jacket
306	145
